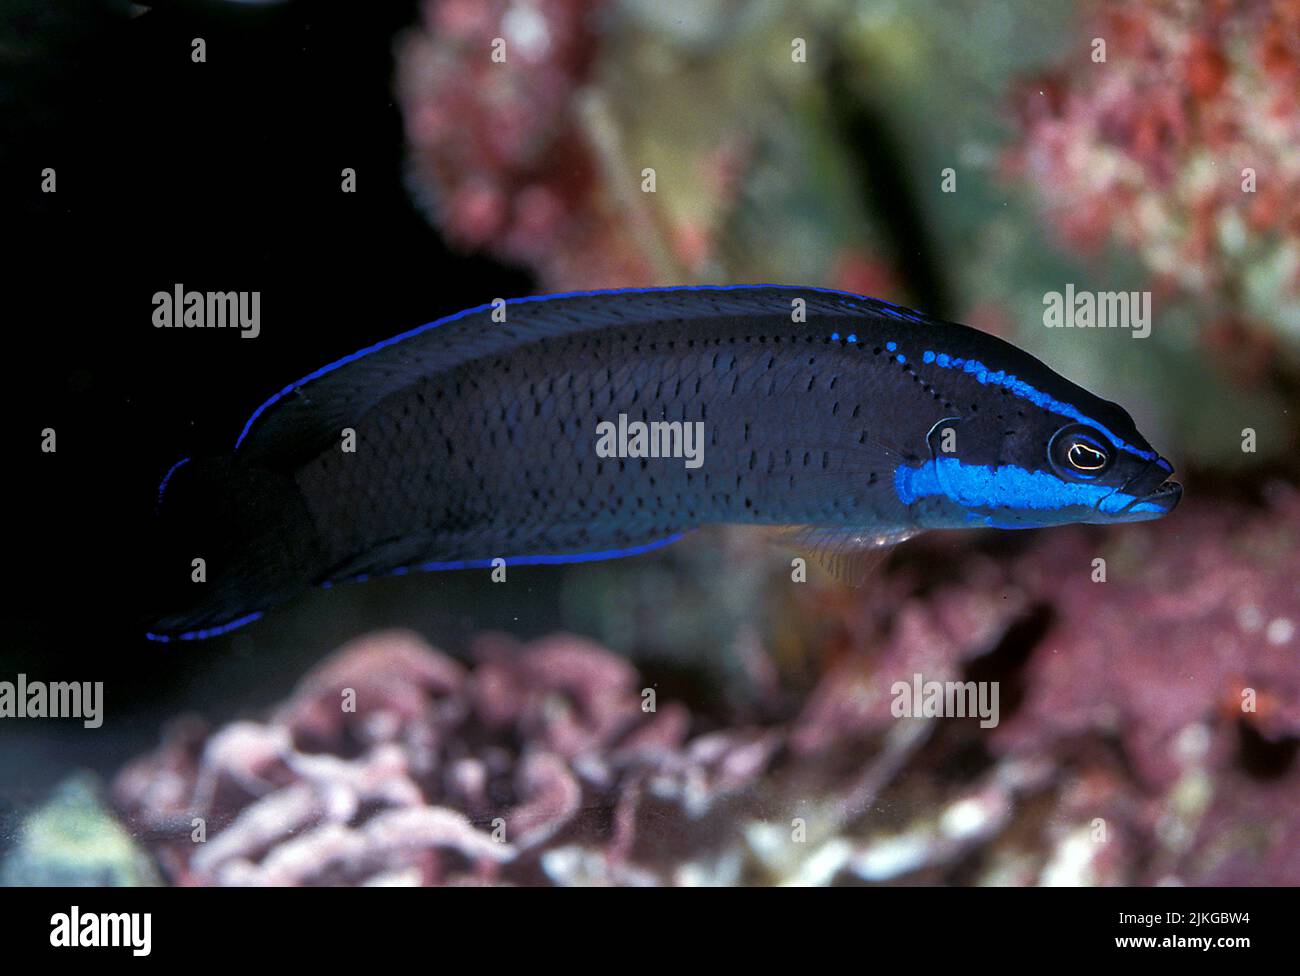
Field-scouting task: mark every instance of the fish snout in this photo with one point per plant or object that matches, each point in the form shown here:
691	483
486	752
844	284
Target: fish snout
1150	494
1163	500
1155	486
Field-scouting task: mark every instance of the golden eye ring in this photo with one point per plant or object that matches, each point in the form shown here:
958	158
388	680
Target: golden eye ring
1079	452
1085	457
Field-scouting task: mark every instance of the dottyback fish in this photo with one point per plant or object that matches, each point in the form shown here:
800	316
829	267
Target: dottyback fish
586	426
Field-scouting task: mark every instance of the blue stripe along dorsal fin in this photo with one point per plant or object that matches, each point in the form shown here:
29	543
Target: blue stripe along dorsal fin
307	415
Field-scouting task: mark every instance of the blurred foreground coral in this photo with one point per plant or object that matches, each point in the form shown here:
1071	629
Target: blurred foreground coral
1147	734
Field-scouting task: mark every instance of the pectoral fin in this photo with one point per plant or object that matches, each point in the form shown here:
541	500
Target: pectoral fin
850	555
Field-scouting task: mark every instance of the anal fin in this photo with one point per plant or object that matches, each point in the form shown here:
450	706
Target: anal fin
847	554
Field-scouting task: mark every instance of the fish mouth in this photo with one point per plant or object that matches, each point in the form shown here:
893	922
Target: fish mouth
1148	494
1166	497
1154	505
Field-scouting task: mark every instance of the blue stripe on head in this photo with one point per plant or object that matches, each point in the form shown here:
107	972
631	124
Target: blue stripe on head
984	486
1020	388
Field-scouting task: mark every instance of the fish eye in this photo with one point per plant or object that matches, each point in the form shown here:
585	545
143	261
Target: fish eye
1085	457
1077	451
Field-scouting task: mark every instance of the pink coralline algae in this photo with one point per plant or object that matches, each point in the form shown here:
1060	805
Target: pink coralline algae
1180	145
1186	658
588	143
500	150
394	764
1149	710
1196	624
1153	687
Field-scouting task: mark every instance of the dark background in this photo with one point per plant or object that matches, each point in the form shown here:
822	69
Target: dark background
220	176
225	176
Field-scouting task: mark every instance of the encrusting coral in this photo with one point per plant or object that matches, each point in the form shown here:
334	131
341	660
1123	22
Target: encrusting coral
1147	729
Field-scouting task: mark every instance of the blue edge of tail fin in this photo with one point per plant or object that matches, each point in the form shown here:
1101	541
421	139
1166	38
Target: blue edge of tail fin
206	632
547	560
162	485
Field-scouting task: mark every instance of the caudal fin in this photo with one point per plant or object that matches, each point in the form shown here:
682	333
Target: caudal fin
229	540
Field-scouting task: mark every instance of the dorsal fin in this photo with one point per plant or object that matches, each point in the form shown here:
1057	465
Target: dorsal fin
306	416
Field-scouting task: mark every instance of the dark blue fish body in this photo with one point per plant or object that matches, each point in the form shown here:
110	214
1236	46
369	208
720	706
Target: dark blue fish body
471	439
